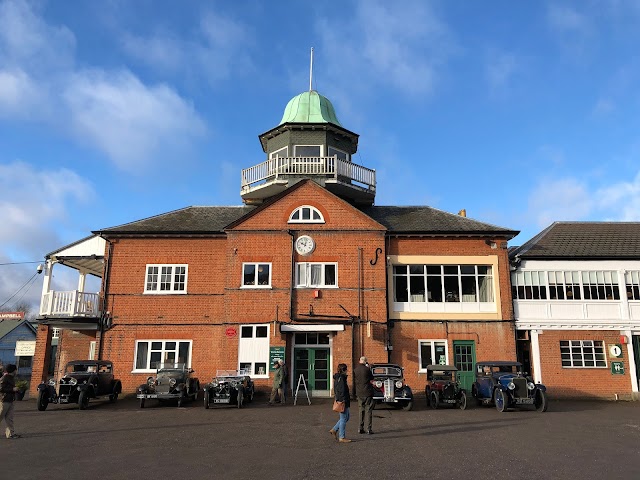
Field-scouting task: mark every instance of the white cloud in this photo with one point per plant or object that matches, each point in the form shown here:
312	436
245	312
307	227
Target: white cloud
565	19
399	45
133	123
499	69
621	201
112	111
161	51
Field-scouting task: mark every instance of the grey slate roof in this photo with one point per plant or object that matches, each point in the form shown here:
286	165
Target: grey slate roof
9	325
581	240
208	220
429	220
189	220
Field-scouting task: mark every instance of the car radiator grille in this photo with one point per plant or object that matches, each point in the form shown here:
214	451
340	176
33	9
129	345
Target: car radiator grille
389	389
521	387
448	391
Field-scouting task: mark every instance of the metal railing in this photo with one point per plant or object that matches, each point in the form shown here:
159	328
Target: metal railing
328	166
69	304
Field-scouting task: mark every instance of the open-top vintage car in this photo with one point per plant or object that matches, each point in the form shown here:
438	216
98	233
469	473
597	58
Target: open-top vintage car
505	385
229	387
171	382
443	388
389	386
82	380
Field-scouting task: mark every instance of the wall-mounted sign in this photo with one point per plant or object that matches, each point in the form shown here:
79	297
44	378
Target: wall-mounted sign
11	315
231	332
25	348
617	368
615	351
275	354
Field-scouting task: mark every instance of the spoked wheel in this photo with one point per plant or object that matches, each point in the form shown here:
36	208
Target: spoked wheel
500	400
43	400
142	402
435	400
462	402
206	398
541	401
113	397
83	399
240	397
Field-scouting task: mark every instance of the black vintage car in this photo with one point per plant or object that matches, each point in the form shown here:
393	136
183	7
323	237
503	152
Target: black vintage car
171	382
389	386
442	387
233	387
504	385
82	380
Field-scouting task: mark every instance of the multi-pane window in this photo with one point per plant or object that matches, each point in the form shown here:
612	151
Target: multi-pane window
632	279
256	275
306	214
166	279
443	283
253	350
583	353
307	151
281	153
334	152
152	354
316	274
565	285
432	352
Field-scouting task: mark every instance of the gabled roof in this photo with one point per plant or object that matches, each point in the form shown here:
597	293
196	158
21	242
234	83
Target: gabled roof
583	240
431	221
7	326
189	220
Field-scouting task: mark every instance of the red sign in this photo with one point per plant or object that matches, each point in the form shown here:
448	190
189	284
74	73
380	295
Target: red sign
231	332
12	315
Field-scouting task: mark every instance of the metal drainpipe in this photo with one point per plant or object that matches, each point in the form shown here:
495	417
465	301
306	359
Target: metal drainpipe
386	280
293	266
104	297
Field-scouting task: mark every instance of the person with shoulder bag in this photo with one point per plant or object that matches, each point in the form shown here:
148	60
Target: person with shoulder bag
341	403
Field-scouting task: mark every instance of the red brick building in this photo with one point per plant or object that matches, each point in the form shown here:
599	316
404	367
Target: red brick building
309	266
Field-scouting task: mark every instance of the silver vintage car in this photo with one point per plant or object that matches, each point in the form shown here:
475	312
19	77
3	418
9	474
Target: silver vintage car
229	387
171	382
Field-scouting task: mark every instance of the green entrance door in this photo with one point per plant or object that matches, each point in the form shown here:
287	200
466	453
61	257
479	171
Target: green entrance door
464	357
313	363
636	354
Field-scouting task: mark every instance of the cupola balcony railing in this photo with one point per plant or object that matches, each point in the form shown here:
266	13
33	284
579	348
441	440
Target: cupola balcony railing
335	167
69	304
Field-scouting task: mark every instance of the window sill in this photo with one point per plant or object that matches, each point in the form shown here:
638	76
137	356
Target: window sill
164	293
317	287
144	371
255	287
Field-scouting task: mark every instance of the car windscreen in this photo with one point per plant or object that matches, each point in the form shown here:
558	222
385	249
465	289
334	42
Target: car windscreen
387	371
80	368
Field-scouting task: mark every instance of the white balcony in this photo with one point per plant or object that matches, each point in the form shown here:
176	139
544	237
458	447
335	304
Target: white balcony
70	304
343	177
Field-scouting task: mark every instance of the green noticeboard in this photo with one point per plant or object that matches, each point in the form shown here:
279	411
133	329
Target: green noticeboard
275	354
617	368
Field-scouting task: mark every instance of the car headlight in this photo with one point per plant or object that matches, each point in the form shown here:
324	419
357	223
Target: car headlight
530	385
511	386
52	382
399	384
73	381
378	384
172	382
151	381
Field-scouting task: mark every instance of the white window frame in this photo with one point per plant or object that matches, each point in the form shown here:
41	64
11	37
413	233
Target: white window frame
252	350
273	155
257	266
432	344
632	280
295	152
92	350
582	344
300	210
56	332
347	157
164	351
173	290
307	283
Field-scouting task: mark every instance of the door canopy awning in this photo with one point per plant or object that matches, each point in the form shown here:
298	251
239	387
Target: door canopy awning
312	328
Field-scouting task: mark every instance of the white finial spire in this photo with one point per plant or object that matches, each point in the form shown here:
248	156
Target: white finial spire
311	71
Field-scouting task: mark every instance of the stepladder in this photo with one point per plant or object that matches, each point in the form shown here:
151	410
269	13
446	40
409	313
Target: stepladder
303	383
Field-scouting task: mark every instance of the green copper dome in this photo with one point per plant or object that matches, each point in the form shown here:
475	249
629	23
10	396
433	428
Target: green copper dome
310	107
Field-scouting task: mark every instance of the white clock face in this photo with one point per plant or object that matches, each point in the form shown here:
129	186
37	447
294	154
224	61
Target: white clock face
305	245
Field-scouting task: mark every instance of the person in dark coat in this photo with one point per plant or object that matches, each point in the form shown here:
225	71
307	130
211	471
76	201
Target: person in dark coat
341	389
364	392
8	391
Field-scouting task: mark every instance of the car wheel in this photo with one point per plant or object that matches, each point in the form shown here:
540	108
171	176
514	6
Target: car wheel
462	402
43	400
251	394
474	394
408	406
180	401
113	397
541	401
427	394
500	400
206	398
240	397
83	399
435	400
142	403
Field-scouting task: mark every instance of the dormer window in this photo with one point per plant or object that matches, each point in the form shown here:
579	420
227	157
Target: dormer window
307	151
306	214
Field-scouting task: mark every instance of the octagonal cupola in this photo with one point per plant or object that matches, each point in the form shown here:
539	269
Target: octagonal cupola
309	142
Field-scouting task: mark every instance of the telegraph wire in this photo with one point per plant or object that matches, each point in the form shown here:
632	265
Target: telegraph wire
18	291
26	290
19	263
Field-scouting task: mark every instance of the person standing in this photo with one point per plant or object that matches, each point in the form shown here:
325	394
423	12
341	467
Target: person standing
341	389
278	379
7	395
364	393
285	381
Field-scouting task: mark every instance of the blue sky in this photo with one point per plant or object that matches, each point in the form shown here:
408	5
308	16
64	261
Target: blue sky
522	113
